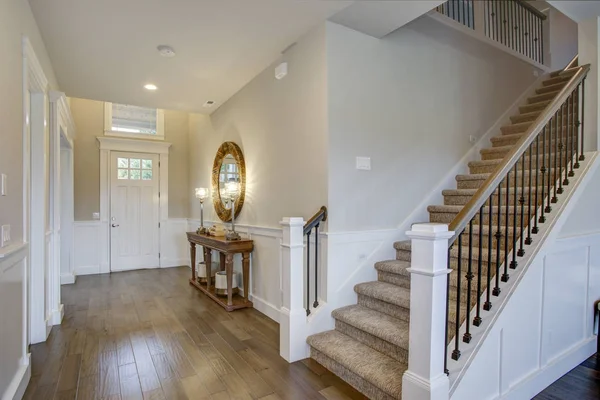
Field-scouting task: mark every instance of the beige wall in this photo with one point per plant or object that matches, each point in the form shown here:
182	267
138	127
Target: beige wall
281	126
16	20
562	39
409	101
89	119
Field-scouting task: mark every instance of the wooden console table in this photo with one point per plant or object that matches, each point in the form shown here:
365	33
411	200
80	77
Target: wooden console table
227	248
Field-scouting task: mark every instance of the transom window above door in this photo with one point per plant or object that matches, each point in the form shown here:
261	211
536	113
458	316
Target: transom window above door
134	169
134	122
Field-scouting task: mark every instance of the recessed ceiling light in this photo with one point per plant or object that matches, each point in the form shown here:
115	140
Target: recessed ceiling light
150	86
166	51
209	103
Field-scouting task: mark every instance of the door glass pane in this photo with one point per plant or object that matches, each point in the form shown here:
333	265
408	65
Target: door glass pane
134	174
134	163
123	162
146	175
147	164
123	174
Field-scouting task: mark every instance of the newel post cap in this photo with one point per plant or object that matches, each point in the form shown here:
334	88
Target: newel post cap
292	221
430	231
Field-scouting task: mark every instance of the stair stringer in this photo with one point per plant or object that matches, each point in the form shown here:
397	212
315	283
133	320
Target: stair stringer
483	370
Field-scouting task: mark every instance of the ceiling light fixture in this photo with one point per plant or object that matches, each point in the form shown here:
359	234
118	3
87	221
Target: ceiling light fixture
166	51
209	103
150	86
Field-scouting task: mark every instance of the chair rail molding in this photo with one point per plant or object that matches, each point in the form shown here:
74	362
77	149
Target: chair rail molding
108	144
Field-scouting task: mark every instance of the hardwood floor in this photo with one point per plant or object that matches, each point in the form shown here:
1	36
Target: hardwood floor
581	383
150	335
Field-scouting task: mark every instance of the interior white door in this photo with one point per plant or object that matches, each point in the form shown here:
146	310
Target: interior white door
134	211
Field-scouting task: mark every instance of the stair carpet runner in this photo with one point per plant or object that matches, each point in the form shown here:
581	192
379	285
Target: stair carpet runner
369	346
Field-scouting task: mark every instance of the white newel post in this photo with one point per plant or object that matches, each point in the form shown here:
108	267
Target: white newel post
425	378
292	320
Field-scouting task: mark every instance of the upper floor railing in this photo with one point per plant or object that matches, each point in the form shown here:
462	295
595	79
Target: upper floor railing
513	23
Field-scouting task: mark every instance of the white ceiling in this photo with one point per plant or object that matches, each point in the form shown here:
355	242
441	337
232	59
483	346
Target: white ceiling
106	49
577	10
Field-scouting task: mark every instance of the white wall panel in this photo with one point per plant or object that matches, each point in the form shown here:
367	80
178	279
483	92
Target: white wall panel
14	365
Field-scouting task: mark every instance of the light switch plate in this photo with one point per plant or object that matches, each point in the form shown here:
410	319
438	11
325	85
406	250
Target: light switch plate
96	215
363	163
3	184
4	235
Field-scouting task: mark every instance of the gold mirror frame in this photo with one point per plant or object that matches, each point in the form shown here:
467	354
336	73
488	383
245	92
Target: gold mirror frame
225	149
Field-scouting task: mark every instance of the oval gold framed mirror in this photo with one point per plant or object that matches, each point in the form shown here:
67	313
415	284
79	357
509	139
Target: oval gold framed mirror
228	175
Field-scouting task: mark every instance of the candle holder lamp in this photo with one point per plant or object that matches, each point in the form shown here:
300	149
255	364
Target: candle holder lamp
202	194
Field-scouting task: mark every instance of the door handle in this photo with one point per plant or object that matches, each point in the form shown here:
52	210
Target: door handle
115	225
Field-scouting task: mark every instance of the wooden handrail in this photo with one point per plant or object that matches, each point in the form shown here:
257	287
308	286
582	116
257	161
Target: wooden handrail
320	216
495	179
531	8
572	63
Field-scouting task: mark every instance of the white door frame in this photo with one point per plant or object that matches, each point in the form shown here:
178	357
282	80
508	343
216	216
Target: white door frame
35	86
108	144
62	134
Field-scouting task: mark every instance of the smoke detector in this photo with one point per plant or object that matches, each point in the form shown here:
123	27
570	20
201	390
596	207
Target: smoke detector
166	51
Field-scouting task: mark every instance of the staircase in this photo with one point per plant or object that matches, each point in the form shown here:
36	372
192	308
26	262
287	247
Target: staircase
369	346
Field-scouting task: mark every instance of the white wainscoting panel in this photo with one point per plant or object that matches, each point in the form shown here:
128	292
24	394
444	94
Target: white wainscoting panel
546	327
174	248
15	369
90	247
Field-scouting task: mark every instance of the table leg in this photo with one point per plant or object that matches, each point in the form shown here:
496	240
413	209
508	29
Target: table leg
229	269
193	260
208	262
246	272
222	262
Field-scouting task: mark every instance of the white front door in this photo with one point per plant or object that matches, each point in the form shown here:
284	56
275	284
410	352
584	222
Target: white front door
134	211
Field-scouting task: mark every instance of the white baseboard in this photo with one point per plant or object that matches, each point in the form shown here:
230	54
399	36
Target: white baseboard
57	315
87	270
18	385
175	262
543	378
67	278
266	308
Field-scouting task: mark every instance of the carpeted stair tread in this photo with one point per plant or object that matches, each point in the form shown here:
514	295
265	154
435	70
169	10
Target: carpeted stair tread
516	128
456	209
397	267
525	117
373	322
550	88
541	105
376	368
385	292
542	97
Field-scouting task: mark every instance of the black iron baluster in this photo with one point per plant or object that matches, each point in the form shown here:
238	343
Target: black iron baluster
446	371
502	23
559	154
521	251
570	139
308	274
520	31
551	158
541	45
477	319
316	303
487	306
529	194
496	5
543	169
572	133
505	276
581	156
535	229
513	263
487	13
496	291
577	125
456	351
469	276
